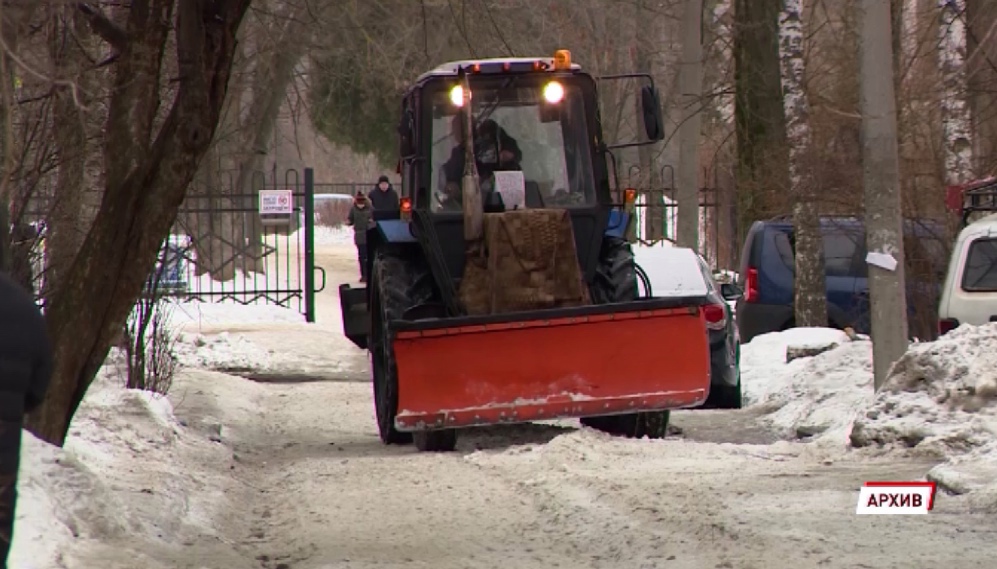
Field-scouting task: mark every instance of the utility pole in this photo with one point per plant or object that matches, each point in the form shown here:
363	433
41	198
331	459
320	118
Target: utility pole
881	177
691	91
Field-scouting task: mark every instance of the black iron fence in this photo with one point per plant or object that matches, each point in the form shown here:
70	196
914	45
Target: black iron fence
249	248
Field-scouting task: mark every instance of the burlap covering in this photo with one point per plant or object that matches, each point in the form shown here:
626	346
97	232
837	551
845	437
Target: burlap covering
527	261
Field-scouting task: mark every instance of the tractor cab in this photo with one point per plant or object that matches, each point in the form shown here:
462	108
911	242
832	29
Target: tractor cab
535	130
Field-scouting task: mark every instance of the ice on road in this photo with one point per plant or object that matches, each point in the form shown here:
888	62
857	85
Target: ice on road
285	471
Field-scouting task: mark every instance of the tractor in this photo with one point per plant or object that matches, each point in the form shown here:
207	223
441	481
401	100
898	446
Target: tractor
504	288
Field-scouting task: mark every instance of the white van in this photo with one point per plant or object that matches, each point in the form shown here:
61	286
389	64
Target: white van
969	295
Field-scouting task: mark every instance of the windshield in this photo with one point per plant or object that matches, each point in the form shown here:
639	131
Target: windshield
518	133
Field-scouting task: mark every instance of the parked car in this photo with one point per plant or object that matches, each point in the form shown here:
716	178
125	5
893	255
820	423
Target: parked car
969	295
678	271
169	276
766	275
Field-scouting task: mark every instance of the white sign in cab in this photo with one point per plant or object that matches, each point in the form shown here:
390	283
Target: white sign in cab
276	202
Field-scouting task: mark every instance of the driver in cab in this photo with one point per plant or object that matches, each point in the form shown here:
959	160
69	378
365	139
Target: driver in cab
494	151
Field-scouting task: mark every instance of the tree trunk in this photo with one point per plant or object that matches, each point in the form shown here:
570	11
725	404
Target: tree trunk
810	304
145	185
691	84
881	168
762	171
653	214
982	82
67	221
956	120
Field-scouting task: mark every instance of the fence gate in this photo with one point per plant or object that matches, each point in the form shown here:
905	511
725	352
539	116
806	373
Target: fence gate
255	247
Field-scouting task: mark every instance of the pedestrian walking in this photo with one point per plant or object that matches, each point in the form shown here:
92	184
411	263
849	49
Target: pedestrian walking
384	196
25	371
361	218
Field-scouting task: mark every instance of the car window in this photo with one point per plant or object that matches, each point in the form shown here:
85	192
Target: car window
980	273
844	252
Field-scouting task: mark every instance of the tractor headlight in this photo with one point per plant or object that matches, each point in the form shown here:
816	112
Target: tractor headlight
457	96
553	92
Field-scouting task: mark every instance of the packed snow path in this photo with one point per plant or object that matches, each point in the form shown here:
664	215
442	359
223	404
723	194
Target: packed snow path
295	473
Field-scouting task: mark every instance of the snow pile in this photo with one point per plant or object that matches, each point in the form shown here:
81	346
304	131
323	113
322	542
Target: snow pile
816	397
117	478
941	400
225	352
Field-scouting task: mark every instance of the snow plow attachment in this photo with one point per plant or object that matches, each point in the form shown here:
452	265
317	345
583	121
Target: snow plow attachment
645	355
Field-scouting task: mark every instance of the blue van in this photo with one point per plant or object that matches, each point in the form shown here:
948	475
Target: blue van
766	275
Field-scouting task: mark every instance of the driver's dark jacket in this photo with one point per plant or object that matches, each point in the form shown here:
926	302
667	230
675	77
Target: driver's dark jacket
25	370
487	157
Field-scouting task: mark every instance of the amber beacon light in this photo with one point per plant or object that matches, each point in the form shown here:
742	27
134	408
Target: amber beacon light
562	60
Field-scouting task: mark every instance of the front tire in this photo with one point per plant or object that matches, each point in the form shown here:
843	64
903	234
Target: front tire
397	283
616	281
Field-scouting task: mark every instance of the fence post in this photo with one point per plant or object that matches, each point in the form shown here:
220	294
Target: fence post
309	245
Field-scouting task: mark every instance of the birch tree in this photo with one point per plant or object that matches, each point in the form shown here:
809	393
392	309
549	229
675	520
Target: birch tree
881	169
956	120
810	295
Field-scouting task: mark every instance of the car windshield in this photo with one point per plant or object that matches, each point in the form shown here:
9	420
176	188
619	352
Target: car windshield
980	274
516	130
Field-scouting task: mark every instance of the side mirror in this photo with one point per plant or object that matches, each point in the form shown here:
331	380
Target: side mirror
731	291
654	124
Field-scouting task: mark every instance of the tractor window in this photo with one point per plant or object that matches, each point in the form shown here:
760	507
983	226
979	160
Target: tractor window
516	129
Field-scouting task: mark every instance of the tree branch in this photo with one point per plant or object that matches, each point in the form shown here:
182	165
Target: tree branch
103	26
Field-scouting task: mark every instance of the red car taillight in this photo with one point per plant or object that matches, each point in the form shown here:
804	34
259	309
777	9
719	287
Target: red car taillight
751	285
947	325
716	316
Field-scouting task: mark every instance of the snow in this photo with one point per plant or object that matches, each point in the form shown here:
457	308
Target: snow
939	402
228	472
817	396
196	314
941	399
117	478
673	271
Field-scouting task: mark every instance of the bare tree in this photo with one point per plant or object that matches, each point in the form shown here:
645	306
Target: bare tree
151	155
881	165
810	305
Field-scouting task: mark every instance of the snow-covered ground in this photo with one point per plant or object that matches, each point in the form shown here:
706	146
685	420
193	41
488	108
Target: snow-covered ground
287	471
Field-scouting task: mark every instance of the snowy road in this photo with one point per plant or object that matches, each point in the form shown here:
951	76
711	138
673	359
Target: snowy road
299	480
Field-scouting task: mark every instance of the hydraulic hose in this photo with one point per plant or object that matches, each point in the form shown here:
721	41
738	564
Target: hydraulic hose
644	281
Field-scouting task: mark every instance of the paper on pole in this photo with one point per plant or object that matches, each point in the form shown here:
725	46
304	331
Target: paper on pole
882	260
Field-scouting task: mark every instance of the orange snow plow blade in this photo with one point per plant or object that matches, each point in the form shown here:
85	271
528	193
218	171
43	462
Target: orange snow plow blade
577	362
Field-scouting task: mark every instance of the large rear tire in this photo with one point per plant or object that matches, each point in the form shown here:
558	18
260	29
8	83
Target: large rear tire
397	283
616	281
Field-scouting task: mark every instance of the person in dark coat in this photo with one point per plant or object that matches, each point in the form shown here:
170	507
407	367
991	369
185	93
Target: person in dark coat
495	150
383	196
361	219
25	371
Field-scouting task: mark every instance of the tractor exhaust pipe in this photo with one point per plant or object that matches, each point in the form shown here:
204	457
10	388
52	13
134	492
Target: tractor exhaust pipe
470	190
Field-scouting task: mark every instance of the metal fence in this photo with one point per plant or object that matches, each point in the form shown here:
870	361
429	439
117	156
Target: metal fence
224	248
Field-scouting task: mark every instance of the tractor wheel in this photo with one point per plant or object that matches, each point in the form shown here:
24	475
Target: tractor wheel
616	281
444	440
396	284
725	397
615	277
